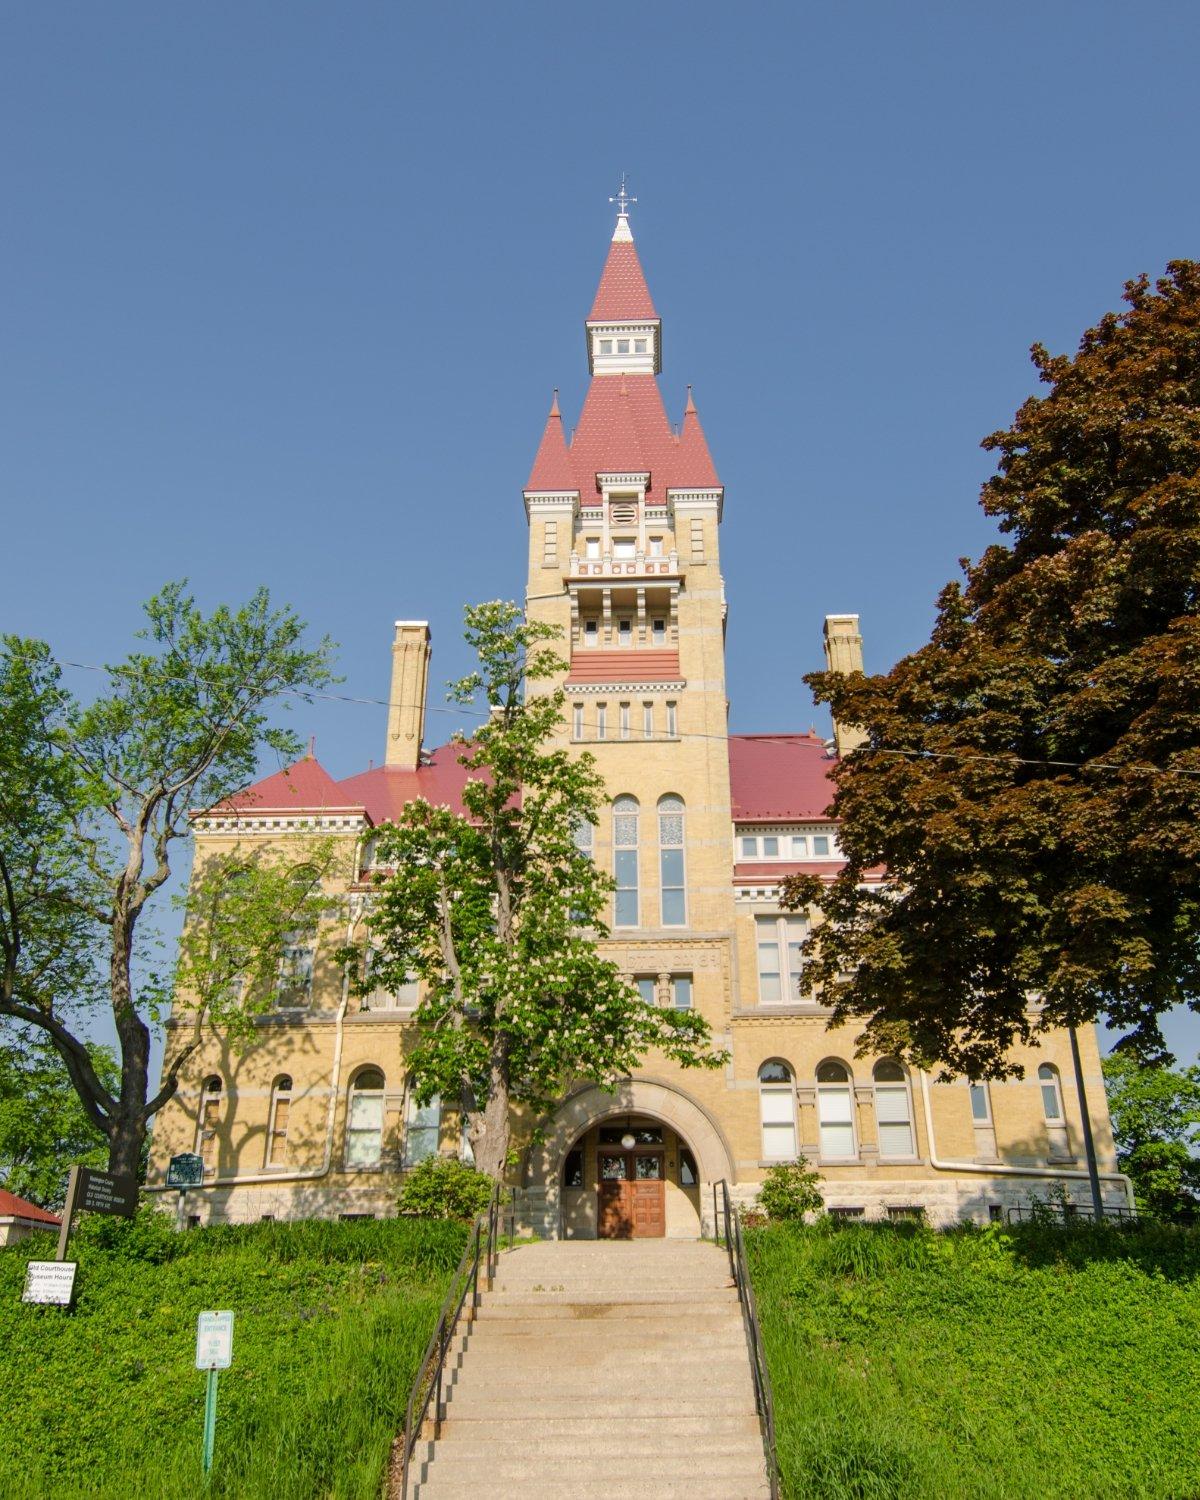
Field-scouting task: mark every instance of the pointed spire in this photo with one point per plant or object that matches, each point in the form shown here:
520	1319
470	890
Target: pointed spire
695	462
552	466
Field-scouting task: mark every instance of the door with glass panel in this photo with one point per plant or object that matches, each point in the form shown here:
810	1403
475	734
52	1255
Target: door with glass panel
632	1194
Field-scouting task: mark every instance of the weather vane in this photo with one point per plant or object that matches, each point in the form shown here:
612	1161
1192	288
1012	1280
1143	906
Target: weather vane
622	199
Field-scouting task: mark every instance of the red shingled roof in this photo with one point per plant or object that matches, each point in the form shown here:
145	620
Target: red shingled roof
623	666
12	1207
622	294
773	777
384	791
307	786
624	426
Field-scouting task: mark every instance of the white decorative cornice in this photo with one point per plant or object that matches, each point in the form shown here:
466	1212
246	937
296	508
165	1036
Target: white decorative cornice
617	686
267	821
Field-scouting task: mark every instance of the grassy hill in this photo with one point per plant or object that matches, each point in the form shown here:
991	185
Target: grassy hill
330	1323
1038	1362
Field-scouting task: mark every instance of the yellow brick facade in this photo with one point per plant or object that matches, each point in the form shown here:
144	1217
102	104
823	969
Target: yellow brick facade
630	572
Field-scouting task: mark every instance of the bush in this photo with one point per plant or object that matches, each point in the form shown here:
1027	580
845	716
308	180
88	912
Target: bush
445	1188
790	1190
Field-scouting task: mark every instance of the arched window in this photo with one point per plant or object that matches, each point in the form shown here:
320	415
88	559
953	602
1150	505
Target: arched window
1051	1094
277	1123
893	1109
209	1119
625	861
835	1112
1052	1108
777	1107
424	1129
364	1119
671	862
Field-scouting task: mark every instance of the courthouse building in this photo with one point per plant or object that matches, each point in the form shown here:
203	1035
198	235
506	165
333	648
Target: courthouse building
316	1116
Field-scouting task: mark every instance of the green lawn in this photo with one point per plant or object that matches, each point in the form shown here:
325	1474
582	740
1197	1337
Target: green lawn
1036	1362
330	1324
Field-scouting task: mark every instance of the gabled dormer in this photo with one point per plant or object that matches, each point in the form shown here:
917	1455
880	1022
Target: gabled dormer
624	333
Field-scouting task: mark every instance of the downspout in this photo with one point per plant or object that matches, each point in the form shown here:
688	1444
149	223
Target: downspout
940	1164
236	1179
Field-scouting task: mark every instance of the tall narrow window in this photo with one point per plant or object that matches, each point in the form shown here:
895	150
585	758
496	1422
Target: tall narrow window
777	1108
624	632
893	1109
981	1106
835	1112
671	861
591	548
647	721
780	942
672	720
206	1125
770	967
647	988
658	632
1052	1108
625	861
364	1119
295	972
981	1121
624	721
585	837
601	721
277	1125
424	1128
577	721
591	632
681	991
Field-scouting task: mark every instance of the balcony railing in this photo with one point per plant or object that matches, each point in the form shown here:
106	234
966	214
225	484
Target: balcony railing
638	566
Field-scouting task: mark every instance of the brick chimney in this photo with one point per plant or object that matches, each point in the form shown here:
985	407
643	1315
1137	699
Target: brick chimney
844	653
406	710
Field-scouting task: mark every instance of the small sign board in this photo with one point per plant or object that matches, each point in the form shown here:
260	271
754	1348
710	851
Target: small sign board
50	1281
214	1341
185	1171
107	1193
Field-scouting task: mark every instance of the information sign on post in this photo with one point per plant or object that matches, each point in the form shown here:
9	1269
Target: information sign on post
50	1282
214	1351
185	1170
107	1193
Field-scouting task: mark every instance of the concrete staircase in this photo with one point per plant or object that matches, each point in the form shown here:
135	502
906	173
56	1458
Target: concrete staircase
615	1369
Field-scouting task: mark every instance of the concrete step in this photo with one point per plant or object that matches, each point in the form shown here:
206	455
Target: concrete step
514	1406
698	1487
509	1332
564	1309
598	1361
612	1463
663	1429
586	1445
692	1297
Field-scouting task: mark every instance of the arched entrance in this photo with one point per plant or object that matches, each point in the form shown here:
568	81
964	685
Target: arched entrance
636	1162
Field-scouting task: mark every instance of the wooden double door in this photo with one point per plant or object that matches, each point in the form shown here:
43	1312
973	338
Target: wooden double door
632	1193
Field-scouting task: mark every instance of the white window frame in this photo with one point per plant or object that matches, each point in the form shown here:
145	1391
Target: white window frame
826	1093
624	721
672	719
421	1121
667	809
683	984
627	806
771	1116
601	721
365	1103
790	966
577	721
890	1090
208	1122
647	721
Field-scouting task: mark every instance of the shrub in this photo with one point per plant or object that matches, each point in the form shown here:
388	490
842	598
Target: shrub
443	1187
790	1190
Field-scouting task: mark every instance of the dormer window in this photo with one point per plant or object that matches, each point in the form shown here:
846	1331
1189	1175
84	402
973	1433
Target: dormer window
606	346
622	346
639	346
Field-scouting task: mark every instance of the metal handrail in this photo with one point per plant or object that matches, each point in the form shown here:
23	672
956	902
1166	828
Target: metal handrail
763	1398
483	1245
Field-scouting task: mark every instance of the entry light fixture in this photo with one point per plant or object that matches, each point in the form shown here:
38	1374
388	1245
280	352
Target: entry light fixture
629	1140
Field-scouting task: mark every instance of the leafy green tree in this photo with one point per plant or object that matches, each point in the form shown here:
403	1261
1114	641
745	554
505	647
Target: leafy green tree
499	910
1155	1114
94	803
44	1128
1030	779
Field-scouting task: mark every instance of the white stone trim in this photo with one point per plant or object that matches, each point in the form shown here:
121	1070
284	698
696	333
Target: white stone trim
617	686
269	821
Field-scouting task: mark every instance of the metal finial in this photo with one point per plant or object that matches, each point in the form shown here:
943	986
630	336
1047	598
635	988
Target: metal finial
622	199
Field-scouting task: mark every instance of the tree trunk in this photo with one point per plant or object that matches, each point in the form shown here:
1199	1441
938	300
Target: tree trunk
490	1132
129	1123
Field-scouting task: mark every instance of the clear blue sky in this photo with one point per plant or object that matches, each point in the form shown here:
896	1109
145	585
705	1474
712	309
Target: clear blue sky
286	289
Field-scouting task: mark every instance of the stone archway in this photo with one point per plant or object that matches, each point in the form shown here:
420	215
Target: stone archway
591	1105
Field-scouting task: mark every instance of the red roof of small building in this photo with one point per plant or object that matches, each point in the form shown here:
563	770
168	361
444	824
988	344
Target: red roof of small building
622	295
778	777
623	666
385	790
12	1207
